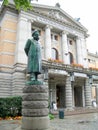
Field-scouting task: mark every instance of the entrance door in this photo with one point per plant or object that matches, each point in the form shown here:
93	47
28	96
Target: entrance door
78	96
60	95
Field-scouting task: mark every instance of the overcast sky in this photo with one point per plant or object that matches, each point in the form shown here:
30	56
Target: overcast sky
87	11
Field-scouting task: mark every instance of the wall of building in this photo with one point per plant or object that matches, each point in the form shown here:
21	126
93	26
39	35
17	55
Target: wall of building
7	52
93	60
93	64
8	41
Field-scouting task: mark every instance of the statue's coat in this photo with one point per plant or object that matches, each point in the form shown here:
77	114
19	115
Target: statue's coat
33	51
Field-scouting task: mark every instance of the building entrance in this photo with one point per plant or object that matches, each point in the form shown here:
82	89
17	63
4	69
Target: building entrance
78	96
60	96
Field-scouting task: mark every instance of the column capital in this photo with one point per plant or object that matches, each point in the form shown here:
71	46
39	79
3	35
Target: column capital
30	20
78	37
64	32
23	19
48	42
48	26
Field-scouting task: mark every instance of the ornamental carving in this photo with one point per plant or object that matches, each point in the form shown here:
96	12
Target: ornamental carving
57	15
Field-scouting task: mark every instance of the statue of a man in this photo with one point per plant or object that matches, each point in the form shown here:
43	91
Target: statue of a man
33	51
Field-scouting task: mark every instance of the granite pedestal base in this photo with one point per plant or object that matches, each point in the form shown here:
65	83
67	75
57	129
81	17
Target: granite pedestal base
35	107
35	123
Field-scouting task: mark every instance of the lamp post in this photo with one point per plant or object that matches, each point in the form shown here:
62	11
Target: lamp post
50	100
90	80
90	84
72	78
46	74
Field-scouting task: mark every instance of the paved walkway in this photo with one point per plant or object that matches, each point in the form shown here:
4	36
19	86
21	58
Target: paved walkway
74	122
9	124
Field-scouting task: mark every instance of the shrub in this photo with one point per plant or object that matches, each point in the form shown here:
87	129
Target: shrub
10	106
51	116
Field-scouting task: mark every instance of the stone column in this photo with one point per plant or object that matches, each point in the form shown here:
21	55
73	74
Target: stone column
83	95
73	101
65	53
79	51
54	93
97	94
35	107
51	94
23	33
52	87
84	52
88	93
68	94
47	49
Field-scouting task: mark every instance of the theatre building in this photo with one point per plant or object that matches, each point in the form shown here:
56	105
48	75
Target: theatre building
69	70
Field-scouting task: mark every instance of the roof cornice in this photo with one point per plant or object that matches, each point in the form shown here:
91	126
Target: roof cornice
82	28
58	20
60	10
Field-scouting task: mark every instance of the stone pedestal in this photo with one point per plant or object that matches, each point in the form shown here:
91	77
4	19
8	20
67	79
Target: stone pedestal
35	107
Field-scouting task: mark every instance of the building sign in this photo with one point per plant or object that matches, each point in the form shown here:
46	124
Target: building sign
59	26
55	71
80	75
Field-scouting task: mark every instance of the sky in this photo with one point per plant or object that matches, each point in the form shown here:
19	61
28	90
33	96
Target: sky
86	10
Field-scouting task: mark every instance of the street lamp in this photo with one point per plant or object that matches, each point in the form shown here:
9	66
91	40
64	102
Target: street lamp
50	100
90	79
46	74
72	78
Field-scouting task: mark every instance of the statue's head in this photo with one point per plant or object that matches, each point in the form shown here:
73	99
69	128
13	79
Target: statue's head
35	35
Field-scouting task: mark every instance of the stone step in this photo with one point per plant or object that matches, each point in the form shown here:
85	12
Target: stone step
76	111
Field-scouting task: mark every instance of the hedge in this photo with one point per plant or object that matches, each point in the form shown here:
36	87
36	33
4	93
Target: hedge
10	106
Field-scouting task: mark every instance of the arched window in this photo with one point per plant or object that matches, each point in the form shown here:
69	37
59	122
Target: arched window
71	57
54	54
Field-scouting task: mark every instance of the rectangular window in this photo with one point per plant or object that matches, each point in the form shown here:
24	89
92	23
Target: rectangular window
56	37
88	60
91	60
70	42
51	36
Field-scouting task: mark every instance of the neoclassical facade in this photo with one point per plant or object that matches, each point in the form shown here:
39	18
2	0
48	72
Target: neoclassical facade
66	67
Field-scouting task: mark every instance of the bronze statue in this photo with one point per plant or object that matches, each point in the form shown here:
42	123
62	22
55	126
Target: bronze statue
33	51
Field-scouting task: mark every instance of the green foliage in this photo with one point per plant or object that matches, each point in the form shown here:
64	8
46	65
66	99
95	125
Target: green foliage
51	116
10	106
20	4
5	2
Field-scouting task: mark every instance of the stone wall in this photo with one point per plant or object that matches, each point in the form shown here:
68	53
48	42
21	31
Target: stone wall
5	84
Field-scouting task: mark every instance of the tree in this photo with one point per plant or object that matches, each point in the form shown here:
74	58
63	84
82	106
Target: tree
20	4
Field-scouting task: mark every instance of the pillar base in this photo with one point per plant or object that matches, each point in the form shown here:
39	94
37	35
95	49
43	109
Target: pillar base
88	106
69	109
35	123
